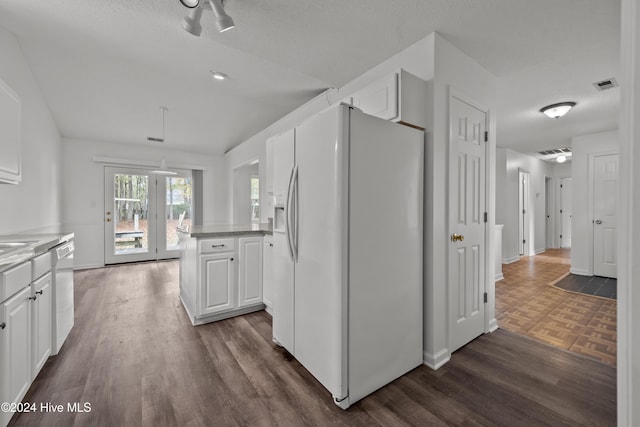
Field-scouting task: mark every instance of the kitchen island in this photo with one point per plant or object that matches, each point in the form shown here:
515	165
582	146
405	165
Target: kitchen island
221	270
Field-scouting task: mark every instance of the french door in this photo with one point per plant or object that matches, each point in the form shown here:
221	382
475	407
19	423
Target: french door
142	210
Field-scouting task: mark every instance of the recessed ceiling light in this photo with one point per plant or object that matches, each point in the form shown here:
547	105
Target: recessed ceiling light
555	111
218	75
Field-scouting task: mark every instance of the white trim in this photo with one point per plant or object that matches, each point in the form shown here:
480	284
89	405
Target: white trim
499	276
435	361
511	260
144	163
580	272
539	251
493	325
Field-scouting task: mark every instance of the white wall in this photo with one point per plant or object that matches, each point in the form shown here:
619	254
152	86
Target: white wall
583	148
501	185
34	204
83	189
242	193
453	69
538	170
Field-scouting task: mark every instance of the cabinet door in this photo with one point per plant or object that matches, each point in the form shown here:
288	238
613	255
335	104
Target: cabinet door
217	283
250	280
15	366
380	98
267	272
41	320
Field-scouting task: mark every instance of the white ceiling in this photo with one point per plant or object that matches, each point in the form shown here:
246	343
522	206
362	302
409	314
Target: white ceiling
106	66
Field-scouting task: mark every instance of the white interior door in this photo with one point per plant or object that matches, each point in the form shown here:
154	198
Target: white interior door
142	211
466	222
565	212
524	221
605	216
548	212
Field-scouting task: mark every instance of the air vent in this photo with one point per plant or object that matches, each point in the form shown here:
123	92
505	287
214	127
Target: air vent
605	84
555	151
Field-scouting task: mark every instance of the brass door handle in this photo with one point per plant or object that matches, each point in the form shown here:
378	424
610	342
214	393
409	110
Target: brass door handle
457	237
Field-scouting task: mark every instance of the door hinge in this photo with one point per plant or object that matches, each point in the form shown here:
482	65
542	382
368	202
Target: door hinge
486	136
485	217
485	297
560	210
560	185
524	241
561	236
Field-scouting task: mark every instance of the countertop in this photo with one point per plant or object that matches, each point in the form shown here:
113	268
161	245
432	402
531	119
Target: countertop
36	244
226	230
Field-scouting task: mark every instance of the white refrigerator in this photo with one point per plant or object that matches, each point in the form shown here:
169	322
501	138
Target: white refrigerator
348	302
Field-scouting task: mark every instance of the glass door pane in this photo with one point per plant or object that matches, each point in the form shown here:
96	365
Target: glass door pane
130	215
178	202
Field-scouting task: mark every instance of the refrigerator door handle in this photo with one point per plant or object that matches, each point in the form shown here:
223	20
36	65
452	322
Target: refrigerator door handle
295	215
288	212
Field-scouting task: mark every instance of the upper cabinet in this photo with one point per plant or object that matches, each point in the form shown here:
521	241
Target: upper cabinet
10	135
400	96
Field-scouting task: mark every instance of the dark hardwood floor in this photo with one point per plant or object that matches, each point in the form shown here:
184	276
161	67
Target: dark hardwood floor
136	359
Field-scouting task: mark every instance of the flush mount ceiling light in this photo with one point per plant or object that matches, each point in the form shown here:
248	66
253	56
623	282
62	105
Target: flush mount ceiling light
558	110
191	22
561	159
218	75
163	164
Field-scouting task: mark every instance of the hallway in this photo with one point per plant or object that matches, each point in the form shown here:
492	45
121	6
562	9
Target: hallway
527	304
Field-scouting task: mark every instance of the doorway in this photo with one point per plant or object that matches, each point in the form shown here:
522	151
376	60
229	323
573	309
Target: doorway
565	212
142	210
524	221
605	215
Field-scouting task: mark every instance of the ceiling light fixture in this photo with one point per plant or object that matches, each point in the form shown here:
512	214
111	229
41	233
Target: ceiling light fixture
561	159
558	110
163	164
191	22
218	75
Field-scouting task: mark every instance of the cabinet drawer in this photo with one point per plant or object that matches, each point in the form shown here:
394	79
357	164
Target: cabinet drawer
11	281
207	246
40	265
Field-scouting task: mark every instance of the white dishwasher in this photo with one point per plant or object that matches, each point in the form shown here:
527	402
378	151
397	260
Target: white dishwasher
63	308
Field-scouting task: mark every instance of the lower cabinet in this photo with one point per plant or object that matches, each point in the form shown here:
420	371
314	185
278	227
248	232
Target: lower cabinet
15	351
41	322
217	279
228	279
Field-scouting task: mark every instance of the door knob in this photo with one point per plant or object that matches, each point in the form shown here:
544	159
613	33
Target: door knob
108	219
457	237
598	221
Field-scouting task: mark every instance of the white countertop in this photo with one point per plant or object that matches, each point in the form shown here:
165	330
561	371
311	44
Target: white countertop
36	244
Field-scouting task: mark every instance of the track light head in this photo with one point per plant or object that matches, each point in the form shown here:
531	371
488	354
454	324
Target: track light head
223	21
191	22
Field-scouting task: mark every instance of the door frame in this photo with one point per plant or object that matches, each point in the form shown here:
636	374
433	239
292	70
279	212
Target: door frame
156	202
549	207
591	176
524	219
490	323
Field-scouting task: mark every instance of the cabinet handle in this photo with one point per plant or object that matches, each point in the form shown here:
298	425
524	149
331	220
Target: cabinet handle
231	259
33	298
217	246
3	325
270	245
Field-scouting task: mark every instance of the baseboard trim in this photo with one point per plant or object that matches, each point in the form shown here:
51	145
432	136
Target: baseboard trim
510	260
436	361
499	277
539	251
580	272
493	325
87	266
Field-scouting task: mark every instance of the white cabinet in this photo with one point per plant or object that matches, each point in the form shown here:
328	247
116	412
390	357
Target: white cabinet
15	351
400	96
218	279
10	135
41	322
250	266
228	277
267	272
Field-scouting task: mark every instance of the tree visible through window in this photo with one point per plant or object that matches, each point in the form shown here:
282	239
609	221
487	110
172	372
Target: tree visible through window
255	199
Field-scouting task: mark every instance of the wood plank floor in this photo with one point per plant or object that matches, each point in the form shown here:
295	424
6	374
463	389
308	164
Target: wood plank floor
134	356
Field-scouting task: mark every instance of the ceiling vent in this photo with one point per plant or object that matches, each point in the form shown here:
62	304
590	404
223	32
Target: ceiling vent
605	84
555	151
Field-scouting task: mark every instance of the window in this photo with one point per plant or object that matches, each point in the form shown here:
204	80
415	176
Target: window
255	199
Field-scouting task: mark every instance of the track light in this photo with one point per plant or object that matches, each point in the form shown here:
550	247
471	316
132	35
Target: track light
191	22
